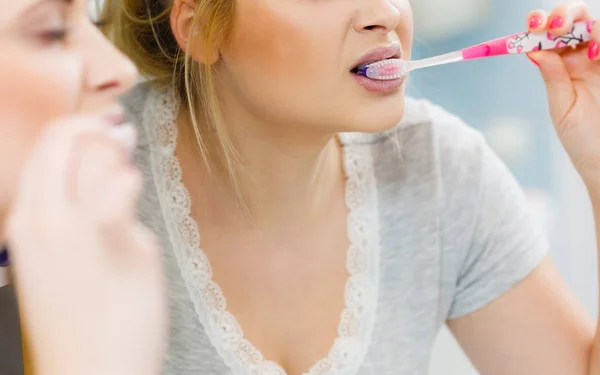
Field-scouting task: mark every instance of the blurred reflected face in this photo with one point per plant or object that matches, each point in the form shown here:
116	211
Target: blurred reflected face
290	62
54	62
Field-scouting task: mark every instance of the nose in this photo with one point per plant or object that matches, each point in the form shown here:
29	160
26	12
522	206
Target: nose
377	16
109	73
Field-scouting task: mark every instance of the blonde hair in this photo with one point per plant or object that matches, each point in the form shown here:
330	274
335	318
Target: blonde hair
141	29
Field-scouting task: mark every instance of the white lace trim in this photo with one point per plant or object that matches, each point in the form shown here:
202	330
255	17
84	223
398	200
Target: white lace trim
222	328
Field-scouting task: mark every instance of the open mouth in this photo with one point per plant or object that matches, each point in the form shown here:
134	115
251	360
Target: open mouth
383	70
371	61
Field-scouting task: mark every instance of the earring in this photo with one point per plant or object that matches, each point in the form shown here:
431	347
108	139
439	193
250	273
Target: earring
4	262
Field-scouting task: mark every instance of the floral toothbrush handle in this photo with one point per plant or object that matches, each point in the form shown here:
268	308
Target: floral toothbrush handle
530	42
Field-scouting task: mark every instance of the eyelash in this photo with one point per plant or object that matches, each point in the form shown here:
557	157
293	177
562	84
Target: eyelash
62	34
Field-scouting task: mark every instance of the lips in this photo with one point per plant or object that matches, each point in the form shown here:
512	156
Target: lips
114	115
392	51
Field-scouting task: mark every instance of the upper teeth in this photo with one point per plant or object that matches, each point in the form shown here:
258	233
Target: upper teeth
373	62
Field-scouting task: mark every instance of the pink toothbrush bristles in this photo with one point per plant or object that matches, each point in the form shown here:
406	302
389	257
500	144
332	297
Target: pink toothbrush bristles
384	70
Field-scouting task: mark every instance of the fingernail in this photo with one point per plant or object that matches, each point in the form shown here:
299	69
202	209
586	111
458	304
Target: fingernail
126	135
535	22
533	61
593	50
556	22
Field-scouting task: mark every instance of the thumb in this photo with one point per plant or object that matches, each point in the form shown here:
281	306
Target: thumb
561	93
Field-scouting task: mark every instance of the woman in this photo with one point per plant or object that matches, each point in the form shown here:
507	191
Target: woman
308	229
87	273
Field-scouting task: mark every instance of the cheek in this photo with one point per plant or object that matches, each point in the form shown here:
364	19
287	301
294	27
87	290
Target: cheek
273	39
36	88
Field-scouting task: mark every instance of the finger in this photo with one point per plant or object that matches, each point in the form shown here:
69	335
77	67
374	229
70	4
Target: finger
45	181
561	93
114	204
561	19
146	244
42	189
44	178
106	184
134	247
594	46
94	161
537	20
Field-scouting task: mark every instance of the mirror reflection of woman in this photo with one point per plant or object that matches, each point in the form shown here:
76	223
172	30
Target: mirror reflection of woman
87	273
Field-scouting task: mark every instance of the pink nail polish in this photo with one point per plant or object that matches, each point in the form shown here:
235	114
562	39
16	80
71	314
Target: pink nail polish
593	50
556	22
535	22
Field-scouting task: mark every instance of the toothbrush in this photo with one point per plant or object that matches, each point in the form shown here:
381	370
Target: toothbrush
512	44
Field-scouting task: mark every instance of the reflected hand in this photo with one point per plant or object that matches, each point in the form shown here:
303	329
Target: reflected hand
88	274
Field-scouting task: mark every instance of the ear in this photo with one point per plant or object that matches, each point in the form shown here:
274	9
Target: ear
188	38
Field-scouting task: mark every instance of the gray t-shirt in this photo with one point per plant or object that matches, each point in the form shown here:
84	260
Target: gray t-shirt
438	228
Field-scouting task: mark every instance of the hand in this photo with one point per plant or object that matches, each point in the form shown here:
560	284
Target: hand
572	78
88	275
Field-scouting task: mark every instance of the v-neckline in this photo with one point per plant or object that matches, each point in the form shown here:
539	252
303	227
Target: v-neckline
222	328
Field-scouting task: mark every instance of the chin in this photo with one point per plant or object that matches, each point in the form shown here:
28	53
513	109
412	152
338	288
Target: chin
381	115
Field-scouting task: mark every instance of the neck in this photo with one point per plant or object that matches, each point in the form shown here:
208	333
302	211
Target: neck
284	178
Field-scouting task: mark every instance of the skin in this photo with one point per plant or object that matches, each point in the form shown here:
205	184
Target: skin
303	215
284	76
68	197
81	73
282	33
